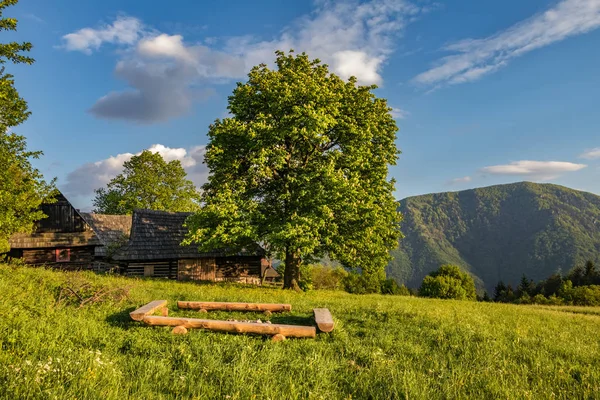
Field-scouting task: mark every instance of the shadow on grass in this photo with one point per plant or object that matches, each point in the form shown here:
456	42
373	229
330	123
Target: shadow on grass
121	319
292	320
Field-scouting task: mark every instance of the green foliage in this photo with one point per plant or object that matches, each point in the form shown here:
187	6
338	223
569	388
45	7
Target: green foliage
22	187
588	295
383	347
301	167
148	182
324	277
448	282
362	283
498	232
390	286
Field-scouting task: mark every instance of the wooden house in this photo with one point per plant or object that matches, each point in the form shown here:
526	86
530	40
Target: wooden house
63	240
113	233
154	249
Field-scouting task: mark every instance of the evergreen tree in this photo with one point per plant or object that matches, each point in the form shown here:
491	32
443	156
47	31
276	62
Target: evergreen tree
500	292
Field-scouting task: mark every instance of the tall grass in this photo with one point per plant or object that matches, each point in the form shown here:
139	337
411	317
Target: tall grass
383	347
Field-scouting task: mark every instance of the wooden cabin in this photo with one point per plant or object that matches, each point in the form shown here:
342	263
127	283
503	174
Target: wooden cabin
113	233
63	240
154	249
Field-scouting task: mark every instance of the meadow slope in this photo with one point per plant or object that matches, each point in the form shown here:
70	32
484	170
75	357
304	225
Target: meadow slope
383	346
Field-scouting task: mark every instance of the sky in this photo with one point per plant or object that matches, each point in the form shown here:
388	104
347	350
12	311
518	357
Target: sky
483	92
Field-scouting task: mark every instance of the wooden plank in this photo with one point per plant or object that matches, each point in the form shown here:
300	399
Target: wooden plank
234	327
149	308
229	306
323	319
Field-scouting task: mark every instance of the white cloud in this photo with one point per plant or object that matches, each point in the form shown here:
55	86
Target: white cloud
124	30
478	57
591	154
164	72
535	169
456	181
398	113
85	179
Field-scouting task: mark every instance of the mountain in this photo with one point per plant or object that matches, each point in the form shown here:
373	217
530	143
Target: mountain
498	233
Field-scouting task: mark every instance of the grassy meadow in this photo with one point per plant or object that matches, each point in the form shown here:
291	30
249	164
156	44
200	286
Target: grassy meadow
383	347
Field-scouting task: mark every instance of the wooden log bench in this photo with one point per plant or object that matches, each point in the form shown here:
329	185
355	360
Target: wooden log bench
229	306
148	309
323	319
297	331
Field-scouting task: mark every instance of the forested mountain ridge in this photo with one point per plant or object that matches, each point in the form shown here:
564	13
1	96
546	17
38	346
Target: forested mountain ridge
498	233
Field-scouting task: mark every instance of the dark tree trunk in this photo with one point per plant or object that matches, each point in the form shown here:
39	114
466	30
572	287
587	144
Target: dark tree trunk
292	270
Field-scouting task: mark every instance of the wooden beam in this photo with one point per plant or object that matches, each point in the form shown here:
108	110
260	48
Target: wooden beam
234	327
148	309
323	319
226	306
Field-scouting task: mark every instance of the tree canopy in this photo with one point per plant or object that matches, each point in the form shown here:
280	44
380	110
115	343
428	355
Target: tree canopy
301	167
22	187
149	182
448	282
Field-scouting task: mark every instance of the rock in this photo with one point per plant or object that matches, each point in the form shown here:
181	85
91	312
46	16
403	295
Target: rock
278	338
179	330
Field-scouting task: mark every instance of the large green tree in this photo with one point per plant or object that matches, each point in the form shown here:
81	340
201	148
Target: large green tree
22	187
301	167
148	181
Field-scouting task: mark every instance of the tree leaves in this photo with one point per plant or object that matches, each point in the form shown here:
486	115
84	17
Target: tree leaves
148	182
301	167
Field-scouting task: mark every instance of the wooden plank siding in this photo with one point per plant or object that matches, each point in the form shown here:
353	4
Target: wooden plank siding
160	269
80	257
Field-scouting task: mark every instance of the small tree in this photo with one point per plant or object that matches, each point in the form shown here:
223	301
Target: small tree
149	182
301	167
448	282
22	187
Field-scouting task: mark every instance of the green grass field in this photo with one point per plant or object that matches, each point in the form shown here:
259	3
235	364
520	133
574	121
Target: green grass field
383	347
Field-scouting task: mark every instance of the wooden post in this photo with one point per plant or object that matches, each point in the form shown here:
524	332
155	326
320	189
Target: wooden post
234	327
148	309
323	319
226	306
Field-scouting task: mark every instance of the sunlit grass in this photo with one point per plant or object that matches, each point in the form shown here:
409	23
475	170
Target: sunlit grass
382	346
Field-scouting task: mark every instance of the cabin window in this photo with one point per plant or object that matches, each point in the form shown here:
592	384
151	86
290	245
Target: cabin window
63	255
148	270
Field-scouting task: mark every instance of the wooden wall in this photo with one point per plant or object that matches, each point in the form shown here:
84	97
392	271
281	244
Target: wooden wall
160	269
235	269
62	218
80	257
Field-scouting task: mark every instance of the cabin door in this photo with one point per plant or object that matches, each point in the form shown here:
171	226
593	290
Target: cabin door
200	269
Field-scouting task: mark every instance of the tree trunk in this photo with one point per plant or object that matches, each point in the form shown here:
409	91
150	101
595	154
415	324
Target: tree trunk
291	278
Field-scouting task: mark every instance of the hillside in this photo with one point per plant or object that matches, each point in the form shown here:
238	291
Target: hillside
498	233
383	347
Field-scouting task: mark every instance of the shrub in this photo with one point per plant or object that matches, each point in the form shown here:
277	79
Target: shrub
324	277
540	299
361	283
586	295
448	282
390	286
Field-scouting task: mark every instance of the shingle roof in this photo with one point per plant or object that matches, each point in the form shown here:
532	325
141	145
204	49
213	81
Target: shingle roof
111	229
156	235
52	239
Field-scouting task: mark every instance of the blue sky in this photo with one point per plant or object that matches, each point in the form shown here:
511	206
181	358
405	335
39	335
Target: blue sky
484	92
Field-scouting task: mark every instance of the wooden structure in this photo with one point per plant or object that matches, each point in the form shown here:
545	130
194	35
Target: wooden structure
278	332
323	319
154	249
298	331
63	240
227	306
148	309
113	233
